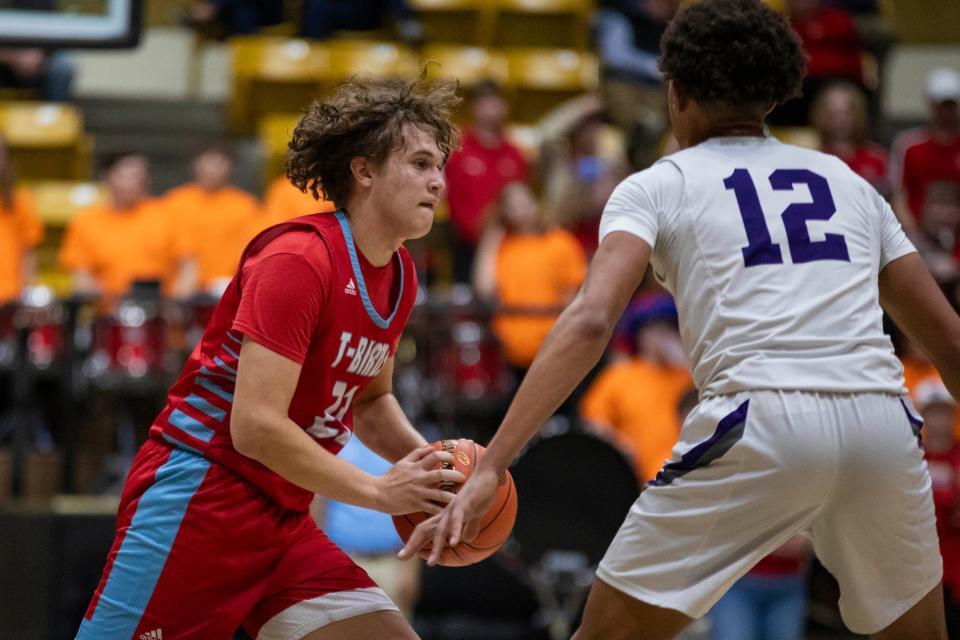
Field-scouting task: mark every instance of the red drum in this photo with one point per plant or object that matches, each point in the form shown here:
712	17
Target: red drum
43	318
471	363
130	344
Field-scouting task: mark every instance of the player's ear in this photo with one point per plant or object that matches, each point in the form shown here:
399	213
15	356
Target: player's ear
679	100
362	171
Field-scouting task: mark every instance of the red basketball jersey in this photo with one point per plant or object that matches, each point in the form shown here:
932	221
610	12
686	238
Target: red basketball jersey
348	344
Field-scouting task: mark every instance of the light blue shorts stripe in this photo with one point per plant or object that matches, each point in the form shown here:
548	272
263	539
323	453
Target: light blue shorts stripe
145	548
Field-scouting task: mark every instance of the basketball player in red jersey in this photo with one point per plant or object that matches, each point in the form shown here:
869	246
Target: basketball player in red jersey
213	530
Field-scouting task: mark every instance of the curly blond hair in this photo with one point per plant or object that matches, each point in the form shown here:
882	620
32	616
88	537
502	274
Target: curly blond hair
365	118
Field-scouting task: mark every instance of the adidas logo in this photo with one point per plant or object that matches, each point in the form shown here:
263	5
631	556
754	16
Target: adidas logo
350	289
156	634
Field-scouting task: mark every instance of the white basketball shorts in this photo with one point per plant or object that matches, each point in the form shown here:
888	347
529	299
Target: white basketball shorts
752	469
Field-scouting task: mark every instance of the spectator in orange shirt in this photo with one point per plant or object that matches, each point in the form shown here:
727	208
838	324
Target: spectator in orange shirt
20	231
211	219
637	400
284	201
107	248
530	270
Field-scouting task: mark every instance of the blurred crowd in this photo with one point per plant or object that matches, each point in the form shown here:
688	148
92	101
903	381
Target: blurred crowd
520	228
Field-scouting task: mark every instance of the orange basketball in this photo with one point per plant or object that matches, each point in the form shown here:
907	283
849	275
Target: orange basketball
496	525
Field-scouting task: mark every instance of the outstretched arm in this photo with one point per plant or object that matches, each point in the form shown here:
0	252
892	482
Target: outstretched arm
572	348
913	299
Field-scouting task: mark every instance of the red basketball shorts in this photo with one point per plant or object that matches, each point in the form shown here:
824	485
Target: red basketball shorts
200	552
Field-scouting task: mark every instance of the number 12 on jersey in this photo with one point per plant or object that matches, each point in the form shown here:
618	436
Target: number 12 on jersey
760	247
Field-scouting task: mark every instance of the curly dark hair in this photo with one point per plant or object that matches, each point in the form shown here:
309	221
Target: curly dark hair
733	52
364	118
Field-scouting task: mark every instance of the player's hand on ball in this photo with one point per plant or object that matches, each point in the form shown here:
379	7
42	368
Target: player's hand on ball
416	483
459	521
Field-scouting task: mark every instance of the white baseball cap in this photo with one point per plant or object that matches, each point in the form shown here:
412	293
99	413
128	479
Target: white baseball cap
943	84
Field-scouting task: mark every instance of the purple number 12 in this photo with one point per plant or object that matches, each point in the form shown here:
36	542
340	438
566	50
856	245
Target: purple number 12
760	247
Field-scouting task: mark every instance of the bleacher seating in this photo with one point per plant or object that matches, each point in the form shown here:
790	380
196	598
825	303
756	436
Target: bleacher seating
46	140
541	78
273	75
456	21
542	23
274	133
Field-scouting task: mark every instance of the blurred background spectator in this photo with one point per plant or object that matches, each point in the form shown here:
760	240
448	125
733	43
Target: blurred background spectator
636	400
628	42
840	116
530	270
834	52
477	172
48	74
21	230
580	169
770	602
931	154
109	247
212	220
939	411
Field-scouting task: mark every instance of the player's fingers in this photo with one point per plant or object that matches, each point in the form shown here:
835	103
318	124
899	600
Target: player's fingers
420	534
435	459
440	496
419	453
456	527
439	536
431	507
444	475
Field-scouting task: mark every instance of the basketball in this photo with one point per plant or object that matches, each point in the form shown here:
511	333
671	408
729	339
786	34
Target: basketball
496	525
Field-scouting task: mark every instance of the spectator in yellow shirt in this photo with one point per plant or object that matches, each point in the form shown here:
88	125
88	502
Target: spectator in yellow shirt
636	400
109	247
530	270
20	231
211	219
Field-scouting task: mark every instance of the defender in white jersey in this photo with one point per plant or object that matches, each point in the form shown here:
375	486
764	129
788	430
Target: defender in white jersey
780	259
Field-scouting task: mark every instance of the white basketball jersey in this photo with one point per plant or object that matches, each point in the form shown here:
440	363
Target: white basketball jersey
772	253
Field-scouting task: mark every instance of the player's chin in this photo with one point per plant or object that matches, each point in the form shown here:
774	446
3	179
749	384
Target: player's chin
420	223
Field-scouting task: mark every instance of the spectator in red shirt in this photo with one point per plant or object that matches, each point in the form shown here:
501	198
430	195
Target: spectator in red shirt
933	156
833	49
936	238
477	172
840	116
942	452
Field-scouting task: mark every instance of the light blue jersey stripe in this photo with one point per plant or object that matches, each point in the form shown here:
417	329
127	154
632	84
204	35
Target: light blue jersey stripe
204	406
190	425
180	445
233	337
217	374
235	356
145	548
215	389
223	365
